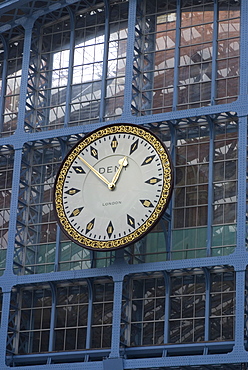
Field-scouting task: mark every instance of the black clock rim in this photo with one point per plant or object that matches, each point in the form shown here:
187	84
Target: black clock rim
165	206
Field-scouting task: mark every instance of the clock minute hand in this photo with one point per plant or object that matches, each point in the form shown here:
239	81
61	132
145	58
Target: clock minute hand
101	177
123	163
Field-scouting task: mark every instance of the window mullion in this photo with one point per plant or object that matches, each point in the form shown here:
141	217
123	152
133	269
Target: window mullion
214	53
210	187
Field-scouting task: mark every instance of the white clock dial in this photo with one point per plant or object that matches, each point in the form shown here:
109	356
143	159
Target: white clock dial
113	187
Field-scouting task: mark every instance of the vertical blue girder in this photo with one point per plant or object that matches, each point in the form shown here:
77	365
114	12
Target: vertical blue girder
177	55
28	26
89	318
116	324
4	79
214	53
167	307
207	304
105	63
210	185
70	68
129	60
53	318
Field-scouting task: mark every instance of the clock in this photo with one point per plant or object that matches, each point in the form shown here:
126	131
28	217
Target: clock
113	187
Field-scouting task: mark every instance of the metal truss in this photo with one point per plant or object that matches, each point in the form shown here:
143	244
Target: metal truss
31	202
35	118
142	101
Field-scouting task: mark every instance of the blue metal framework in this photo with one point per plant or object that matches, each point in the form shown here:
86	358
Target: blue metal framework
178	298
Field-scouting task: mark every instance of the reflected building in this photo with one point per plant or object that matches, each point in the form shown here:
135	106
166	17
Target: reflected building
176	299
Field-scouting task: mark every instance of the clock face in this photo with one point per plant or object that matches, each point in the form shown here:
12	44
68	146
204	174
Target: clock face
113	187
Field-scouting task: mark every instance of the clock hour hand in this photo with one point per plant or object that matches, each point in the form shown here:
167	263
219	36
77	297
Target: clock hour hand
101	177
122	163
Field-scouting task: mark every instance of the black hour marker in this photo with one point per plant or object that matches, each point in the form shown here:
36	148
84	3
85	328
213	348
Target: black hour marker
78	169
134	146
94	152
148	160
131	221
110	229
90	226
153	181
114	144
72	191
76	212
146	203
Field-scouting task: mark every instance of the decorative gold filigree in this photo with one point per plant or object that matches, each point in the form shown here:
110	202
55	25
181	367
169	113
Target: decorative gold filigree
157	213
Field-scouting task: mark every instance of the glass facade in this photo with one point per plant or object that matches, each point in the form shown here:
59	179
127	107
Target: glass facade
177	298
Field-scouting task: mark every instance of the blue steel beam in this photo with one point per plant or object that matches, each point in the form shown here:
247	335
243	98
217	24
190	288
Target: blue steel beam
207	307
241	293
53	318
58	231
239	346
177	56
120	270
89	317
24	79
175	347
116	320
127	117
167	308
37	81
105	62
241	233
210	185
144	56
171	204
18	141
7	6
125	327
241	196
70	68
214	52
3	78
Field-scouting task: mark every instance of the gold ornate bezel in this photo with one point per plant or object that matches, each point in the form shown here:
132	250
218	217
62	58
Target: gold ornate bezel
103	245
